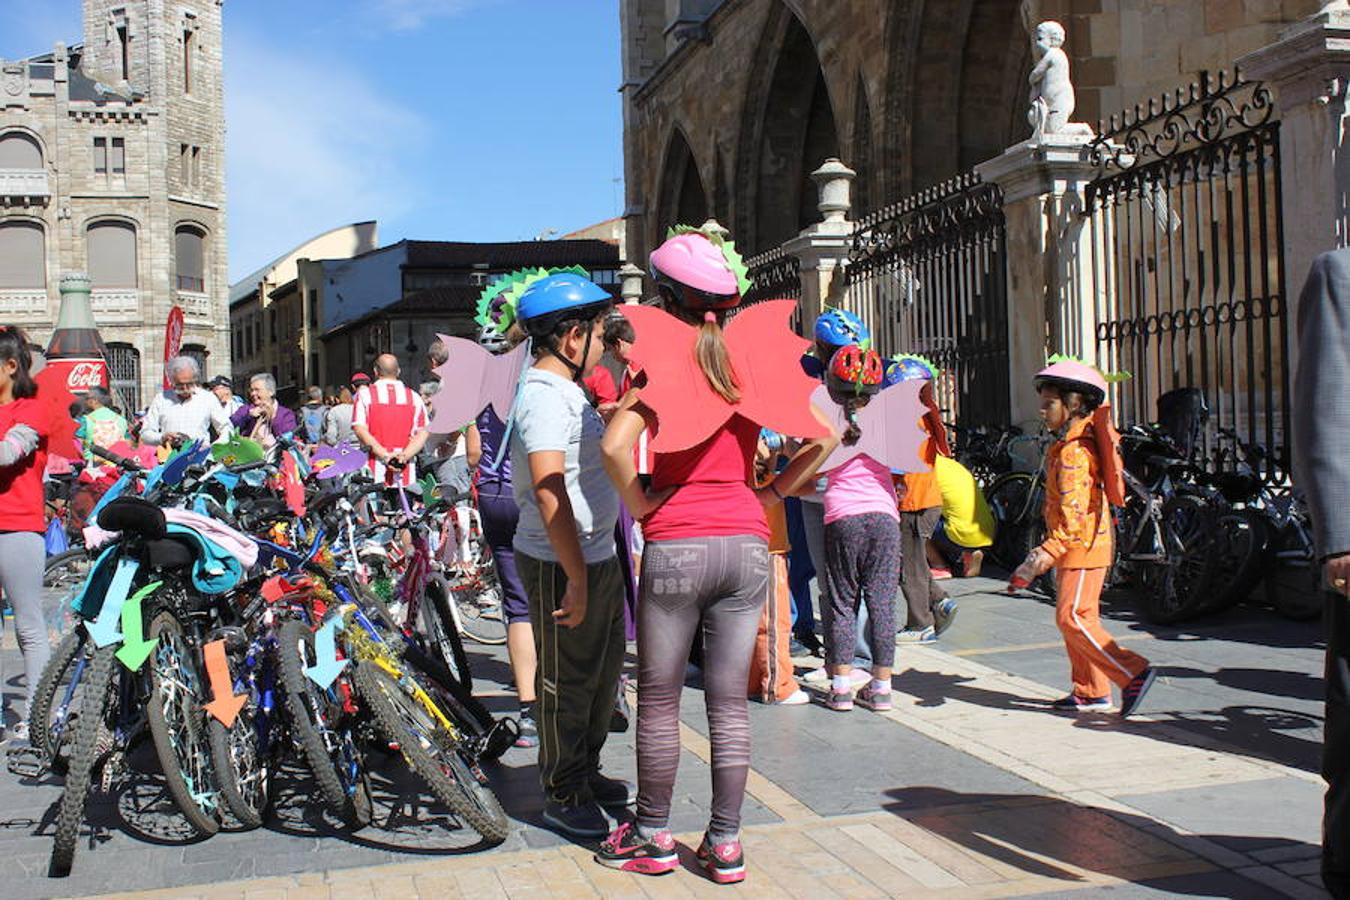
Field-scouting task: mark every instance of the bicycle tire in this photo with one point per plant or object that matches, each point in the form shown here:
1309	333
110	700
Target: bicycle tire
1294	580
1009	499
248	798
182	742
442	636
54	678
1242	553
98	681
405	722
1175	590
63	575
305	703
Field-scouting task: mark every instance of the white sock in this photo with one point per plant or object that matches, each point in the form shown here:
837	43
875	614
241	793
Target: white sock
840	683
880	687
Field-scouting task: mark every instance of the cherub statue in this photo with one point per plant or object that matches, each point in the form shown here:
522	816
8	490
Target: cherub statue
1052	99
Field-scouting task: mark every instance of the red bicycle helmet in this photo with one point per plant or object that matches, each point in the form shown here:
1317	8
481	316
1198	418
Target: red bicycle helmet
855	370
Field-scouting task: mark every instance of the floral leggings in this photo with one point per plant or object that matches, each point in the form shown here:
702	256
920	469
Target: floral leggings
862	564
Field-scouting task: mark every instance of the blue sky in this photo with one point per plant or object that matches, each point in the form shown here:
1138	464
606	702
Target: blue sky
443	119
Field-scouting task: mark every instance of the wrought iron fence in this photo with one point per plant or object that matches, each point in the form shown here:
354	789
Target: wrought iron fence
928	274
775	275
1187	267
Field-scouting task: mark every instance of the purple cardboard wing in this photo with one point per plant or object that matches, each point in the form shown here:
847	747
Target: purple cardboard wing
334	462
473	379
890	428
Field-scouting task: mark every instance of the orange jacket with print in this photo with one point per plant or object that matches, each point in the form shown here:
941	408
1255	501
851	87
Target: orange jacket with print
1077	516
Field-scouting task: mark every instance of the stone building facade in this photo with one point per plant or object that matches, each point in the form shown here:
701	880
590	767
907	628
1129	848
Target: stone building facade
729	104
112	163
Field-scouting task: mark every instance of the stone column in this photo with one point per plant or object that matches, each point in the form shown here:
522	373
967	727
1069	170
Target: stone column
630	279
1309	69
1051	307
822	249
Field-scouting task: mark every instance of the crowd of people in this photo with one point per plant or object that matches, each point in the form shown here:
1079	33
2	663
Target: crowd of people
686	508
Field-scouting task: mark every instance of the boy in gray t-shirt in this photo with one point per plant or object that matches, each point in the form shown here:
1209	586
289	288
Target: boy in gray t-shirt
564	547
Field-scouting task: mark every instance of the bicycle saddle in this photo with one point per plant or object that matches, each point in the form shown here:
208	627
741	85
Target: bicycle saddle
133	515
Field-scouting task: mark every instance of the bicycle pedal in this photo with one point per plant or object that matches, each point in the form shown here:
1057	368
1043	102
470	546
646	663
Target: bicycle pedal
26	762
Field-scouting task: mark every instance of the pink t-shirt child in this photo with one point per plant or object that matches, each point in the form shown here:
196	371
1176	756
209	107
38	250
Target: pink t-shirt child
861	485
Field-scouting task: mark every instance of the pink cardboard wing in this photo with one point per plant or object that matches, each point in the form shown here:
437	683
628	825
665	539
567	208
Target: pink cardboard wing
334	462
766	353
473	379
890	428
687	410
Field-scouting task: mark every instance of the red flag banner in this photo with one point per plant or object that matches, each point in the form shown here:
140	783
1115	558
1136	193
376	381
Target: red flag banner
173	340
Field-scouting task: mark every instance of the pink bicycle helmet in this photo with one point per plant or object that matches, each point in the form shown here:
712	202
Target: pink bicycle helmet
695	272
1074	375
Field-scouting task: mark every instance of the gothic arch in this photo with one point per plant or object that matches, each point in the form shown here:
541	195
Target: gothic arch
862	160
788	129
682	198
957	68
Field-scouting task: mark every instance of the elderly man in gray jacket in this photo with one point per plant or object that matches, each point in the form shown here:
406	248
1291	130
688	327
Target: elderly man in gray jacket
1322	468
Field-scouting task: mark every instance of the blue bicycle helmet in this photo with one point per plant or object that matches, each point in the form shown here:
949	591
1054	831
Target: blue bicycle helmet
556	299
905	367
838	328
563	296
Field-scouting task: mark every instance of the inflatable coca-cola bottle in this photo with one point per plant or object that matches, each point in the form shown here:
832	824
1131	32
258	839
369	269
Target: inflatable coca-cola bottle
76	347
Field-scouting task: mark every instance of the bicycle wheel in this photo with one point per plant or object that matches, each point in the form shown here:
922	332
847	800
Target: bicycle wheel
56	705
98	680
1175	588
1241	546
481	616
177	727
438	626
1011	501
317	722
430	751
1294	582
242	759
63	577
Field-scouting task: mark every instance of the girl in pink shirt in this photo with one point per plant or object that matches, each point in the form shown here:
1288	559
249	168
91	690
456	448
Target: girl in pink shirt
862	541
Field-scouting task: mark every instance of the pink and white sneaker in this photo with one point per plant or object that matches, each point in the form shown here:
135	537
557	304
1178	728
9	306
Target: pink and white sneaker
628	851
725	863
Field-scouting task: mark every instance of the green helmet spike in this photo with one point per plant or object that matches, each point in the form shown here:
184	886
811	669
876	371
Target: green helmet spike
505	292
1111	377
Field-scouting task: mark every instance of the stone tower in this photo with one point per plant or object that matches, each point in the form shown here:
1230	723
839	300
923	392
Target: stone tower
121	142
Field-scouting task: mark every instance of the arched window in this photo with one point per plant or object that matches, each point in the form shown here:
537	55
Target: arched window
112	255
23	256
189	255
199	353
19	151
124	375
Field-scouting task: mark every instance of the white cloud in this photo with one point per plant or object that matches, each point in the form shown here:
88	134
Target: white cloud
311	145
410	15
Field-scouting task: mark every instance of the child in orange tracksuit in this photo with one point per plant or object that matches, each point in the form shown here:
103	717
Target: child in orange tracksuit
1078	539
772	679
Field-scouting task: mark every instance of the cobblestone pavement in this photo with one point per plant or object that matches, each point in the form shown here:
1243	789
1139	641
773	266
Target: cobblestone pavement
969	788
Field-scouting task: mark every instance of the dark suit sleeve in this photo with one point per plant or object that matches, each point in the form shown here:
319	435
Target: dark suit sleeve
1321	410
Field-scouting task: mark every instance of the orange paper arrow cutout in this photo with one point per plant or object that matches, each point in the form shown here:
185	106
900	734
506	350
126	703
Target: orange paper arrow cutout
225	704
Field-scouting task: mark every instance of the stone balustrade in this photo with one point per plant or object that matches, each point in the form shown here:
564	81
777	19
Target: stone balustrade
24	304
23	186
116	304
195	305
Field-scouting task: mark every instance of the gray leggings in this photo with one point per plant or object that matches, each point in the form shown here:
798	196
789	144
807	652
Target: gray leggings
21	556
720	584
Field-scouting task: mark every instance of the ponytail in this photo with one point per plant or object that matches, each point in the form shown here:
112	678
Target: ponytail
853	433
715	361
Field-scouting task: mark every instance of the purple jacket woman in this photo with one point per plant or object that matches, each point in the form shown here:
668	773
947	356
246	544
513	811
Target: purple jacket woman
262	389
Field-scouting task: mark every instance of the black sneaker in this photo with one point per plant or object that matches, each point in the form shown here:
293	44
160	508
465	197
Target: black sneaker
529	732
584	819
1075	703
612	791
1133	693
627	850
724	863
